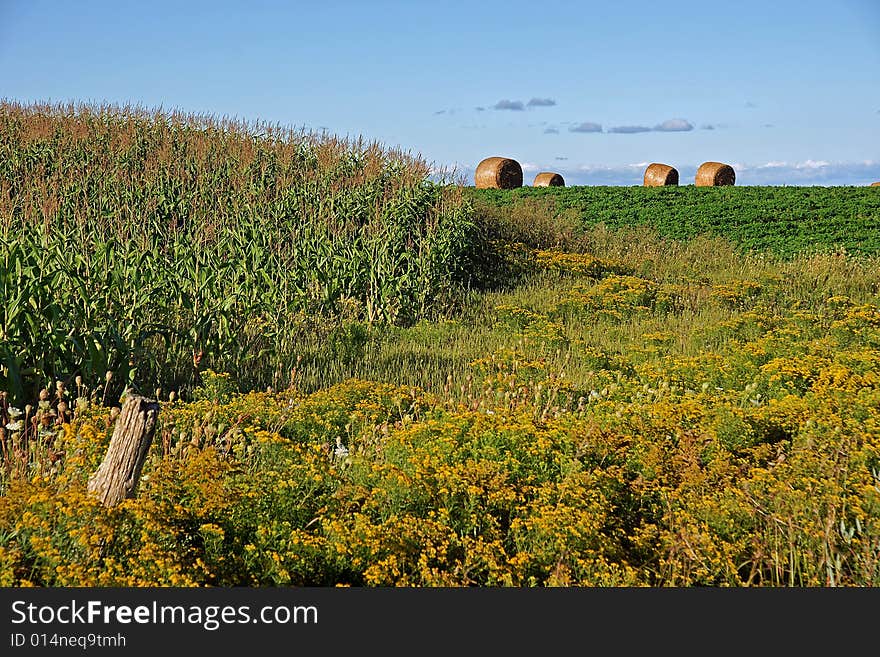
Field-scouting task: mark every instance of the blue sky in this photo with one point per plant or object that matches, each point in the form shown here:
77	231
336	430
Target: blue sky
786	91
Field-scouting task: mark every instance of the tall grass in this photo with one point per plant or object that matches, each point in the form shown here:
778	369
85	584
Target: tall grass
696	272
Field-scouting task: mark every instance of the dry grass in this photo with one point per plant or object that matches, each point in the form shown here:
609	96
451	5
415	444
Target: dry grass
660	175
498	173
715	174
549	179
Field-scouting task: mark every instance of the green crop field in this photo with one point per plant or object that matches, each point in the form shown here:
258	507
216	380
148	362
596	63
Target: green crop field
781	220
368	379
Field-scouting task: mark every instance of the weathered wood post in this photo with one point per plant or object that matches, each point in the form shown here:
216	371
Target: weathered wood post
117	476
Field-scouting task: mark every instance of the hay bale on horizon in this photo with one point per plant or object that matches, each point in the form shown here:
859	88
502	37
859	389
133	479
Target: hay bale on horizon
498	173
715	174
660	175
875	184
549	179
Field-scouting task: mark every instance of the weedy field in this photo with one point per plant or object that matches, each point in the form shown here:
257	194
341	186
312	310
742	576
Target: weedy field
543	399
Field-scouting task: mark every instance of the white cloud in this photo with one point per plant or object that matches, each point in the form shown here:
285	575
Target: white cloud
515	105
670	125
629	129
587	126
674	125
808	172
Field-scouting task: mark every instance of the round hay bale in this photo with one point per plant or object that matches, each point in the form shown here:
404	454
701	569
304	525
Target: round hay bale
549	179
660	175
498	173
876	184
714	174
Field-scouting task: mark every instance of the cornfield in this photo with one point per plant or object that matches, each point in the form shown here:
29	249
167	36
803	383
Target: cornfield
148	244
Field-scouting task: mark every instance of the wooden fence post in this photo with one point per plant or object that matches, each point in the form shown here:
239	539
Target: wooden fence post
117	476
